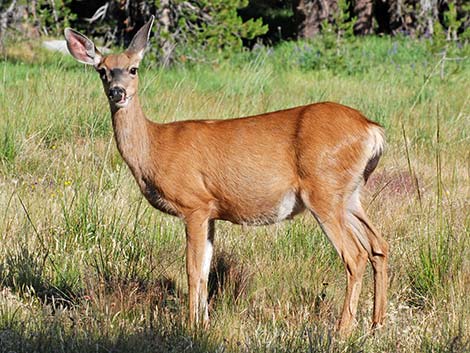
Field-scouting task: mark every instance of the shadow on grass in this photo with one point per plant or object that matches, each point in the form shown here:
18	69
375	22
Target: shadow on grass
54	339
228	277
23	271
64	329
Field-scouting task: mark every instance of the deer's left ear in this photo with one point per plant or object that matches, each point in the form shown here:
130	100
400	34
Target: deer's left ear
81	48
140	41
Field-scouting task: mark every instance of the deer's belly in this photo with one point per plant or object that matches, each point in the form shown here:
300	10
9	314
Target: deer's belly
263	212
258	210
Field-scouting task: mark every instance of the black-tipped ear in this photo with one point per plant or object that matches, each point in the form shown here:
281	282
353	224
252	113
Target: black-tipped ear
81	48
140	41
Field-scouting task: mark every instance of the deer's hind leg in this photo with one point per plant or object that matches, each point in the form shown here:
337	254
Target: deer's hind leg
377	249
331	215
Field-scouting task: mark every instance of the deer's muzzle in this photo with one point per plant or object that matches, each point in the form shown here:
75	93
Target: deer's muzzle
117	94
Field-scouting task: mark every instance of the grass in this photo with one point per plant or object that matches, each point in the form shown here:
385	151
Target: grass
87	266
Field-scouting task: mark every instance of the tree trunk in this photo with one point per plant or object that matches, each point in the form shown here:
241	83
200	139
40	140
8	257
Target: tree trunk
4	19
309	15
363	10
164	23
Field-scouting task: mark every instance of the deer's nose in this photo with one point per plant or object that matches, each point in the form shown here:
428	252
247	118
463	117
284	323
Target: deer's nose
117	93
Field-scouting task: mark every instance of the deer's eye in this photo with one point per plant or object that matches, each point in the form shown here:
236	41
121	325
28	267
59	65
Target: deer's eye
102	73
133	71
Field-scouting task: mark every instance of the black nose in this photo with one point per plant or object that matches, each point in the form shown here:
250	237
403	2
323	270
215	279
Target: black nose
116	93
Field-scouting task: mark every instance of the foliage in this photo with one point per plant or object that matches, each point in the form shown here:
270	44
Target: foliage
343	23
330	49
447	42
277	15
227	29
198	28
53	15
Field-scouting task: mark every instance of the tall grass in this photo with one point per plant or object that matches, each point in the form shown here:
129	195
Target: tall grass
86	265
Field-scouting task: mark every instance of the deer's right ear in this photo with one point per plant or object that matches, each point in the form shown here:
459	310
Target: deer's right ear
81	48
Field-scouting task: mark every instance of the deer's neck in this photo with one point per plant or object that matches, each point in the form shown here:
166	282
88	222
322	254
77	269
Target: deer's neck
131	131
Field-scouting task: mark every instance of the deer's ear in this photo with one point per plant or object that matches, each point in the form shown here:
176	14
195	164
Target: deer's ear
140	41
81	48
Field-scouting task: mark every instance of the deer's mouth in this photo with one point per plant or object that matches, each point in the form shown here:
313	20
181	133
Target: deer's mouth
122	101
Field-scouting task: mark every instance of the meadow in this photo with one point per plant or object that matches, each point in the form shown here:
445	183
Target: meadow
86	265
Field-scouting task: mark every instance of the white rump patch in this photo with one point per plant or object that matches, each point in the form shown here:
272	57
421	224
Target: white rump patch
287	206
377	141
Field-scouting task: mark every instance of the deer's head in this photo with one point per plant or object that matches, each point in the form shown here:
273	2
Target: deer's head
118	72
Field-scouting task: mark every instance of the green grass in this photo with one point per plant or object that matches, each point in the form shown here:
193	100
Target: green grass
86	265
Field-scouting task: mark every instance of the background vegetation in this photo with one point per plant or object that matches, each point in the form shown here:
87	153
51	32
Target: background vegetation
191	29
87	266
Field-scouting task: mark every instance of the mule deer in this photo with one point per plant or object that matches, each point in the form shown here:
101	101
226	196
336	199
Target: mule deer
255	170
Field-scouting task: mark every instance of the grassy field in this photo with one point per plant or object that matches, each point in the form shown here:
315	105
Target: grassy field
86	265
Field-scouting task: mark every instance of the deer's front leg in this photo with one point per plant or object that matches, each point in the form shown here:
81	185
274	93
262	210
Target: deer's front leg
199	238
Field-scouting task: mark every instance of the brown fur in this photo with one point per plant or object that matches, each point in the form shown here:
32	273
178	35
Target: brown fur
255	170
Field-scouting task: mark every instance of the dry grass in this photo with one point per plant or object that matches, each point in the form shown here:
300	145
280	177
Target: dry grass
86	265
